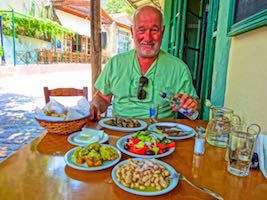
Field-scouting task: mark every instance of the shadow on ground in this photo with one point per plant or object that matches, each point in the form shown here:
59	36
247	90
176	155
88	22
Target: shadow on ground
17	123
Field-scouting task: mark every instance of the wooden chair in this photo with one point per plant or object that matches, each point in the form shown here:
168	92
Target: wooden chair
65	92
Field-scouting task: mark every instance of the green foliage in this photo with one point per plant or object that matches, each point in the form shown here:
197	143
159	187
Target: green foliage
118	6
30	26
1	51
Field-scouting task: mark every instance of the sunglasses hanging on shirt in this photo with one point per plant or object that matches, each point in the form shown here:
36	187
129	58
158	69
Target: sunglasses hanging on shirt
143	82
145	94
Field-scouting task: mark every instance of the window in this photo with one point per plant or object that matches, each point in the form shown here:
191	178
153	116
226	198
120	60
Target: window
246	15
68	43
84	45
123	42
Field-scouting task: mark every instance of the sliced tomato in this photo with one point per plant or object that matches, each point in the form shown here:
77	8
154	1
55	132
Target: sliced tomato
131	144
160	145
160	151
140	151
131	147
136	141
171	145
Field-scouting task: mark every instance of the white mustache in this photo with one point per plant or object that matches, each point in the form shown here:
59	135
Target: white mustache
147	43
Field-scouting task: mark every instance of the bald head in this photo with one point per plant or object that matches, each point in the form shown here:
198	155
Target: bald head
147	32
148	10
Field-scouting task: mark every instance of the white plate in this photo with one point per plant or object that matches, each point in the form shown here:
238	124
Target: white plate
123	140
71	139
173	182
115	128
152	128
69	159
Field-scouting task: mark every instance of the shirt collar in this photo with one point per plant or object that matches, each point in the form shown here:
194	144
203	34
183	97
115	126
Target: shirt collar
150	71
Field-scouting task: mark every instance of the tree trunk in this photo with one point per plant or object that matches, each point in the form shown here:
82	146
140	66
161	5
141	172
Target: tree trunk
95	41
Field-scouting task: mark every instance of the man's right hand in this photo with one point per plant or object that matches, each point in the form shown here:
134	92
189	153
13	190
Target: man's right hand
94	111
98	105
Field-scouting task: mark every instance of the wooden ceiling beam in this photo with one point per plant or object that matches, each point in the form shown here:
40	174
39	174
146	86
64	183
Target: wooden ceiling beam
131	4
143	3
156	3
140	3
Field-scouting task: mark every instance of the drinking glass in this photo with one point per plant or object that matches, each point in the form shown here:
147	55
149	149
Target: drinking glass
240	149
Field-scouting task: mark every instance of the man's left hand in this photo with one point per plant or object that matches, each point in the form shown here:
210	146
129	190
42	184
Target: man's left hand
186	102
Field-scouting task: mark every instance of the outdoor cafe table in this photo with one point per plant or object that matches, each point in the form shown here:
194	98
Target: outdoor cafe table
38	171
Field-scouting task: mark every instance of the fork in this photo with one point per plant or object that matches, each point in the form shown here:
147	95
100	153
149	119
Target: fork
182	177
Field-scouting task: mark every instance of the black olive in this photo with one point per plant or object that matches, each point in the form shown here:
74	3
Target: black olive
150	152
126	147
165	149
128	139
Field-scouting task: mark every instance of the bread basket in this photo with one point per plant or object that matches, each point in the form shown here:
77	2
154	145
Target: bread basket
63	127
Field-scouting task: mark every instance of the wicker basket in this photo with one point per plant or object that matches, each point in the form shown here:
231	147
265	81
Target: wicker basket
63	127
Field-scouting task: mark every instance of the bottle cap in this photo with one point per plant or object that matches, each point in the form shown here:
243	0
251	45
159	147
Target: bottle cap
200	130
163	95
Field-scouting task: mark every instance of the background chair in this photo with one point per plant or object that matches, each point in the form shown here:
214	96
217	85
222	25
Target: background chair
59	92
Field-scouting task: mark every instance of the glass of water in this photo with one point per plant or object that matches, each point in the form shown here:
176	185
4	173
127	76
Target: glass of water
240	149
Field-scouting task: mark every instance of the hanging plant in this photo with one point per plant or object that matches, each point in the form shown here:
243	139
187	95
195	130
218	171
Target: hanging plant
34	27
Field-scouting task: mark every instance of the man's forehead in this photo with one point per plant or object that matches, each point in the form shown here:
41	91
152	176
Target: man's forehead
146	18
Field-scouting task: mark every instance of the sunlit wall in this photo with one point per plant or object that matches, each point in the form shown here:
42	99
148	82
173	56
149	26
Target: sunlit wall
246	88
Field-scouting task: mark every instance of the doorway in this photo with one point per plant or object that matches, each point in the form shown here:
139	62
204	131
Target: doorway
190	34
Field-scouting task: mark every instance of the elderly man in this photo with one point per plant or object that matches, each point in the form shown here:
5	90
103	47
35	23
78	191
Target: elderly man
136	78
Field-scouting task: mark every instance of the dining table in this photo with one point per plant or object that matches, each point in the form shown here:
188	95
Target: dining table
38	171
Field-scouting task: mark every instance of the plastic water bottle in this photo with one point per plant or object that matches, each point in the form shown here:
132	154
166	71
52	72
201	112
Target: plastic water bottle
190	113
153	113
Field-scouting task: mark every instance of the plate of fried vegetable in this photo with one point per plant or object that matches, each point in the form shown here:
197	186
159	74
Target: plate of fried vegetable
93	157
173	131
123	124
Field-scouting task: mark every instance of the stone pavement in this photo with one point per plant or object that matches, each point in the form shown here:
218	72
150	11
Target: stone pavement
21	91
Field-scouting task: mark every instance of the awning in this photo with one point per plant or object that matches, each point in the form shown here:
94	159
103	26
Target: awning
140	3
74	23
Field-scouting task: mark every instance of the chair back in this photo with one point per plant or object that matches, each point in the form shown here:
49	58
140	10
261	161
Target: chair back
64	92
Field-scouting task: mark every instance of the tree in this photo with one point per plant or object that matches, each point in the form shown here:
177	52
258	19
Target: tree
118	6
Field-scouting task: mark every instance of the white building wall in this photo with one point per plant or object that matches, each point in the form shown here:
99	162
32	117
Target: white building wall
74	23
23	45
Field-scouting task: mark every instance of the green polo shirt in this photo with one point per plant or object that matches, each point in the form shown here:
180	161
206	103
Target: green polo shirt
121	76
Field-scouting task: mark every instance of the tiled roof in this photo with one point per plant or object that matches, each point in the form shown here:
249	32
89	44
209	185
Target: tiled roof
86	10
81	8
123	18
